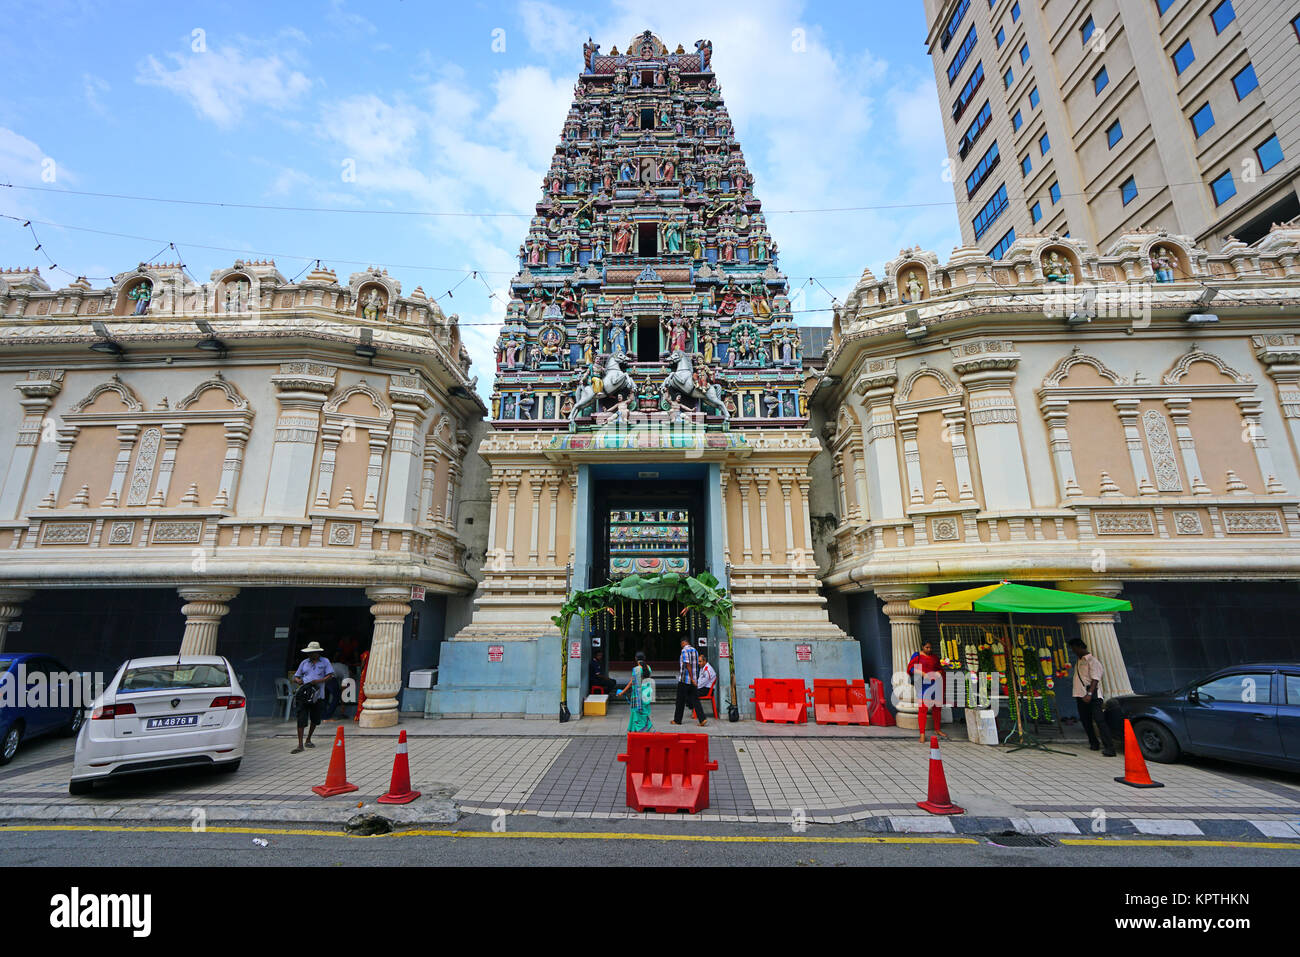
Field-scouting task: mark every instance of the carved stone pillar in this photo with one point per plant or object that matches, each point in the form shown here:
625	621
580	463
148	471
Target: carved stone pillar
725	481
1180	411
573	516
453	480
11	606
841	491
38	392
1280	354
1251	413
237	433
536	482
1098	633
860	480
1128	413
65	437
908	426
805	510
173	432
743	479
303	388
987	368
877	390
786	478
494	555
126	436
204	608
390	606
954	425
762	479
553	487
513	477
905	631
1056	412
377	441
428	484
410	403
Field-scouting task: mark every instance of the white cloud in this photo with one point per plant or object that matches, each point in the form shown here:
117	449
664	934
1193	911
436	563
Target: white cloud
220	83
92	87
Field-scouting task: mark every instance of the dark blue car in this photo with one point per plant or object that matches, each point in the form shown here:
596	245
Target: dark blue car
1248	713
25	715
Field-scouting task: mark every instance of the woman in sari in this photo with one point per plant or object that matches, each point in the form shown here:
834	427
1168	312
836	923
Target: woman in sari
642	695
931	697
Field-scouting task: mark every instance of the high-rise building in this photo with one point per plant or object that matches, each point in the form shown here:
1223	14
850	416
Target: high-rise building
1088	119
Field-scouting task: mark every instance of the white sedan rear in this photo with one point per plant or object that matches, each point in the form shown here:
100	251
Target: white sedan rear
160	713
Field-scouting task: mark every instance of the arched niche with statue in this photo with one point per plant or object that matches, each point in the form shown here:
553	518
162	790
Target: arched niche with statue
1059	263
136	294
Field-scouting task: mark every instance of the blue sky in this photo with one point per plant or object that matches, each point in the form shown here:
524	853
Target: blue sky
834	104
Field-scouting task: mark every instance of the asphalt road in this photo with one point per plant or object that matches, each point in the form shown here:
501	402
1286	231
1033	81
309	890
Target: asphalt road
597	844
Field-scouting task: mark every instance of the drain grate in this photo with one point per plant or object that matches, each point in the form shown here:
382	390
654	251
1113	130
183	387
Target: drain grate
1015	839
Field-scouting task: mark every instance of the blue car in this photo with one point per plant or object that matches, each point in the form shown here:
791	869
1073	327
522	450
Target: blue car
24	715
1247	713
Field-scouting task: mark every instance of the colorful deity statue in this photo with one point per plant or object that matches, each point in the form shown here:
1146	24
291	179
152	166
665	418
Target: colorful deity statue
678	329
1162	264
915	291
1057	269
672	237
142	295
622	237
370	306
730	299
617	335
588	348
708	341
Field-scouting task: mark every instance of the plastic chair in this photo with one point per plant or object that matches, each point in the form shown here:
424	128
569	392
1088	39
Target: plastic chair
711	698
284	692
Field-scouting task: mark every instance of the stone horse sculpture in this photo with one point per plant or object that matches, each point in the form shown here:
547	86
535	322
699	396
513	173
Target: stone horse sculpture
682	381
613	382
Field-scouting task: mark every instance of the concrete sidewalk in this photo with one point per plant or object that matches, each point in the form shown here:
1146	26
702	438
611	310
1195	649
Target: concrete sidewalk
767	773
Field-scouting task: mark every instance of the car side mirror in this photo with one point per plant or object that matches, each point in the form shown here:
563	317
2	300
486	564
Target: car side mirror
1194	696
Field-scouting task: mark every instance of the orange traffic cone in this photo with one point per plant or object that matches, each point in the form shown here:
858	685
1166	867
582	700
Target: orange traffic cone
399	790
1135	766
937	800
336	780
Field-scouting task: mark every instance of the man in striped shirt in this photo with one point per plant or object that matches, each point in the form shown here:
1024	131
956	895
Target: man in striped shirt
687	678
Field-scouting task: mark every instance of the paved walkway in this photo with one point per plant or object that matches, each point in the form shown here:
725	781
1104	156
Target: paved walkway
766	773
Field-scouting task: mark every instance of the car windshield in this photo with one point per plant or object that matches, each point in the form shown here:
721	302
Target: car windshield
171	676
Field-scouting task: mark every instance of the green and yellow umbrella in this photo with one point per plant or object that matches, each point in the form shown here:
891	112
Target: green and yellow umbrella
1020	599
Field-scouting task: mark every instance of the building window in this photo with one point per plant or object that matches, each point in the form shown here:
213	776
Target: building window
1163	5
1269	153
959	60
1245	81
1100	80
954	22
1044	144
1114	133
1054	191
1128	190
968	91
1015	11
1001	37
1088	27
1295	25
991	211
975	129
1033	97
1017	120
1036	212
1222	15
1024	53
982	169
1007	79
1223	188
1202	119
1026	166
1000	250
1183	57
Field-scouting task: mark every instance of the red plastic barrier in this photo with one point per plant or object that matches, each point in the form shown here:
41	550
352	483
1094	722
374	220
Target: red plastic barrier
879	713
835	701
668	772
782	700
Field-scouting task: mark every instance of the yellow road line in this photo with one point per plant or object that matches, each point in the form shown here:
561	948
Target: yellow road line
1168	842
636	836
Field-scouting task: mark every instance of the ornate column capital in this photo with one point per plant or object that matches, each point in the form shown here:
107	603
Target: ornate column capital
896	600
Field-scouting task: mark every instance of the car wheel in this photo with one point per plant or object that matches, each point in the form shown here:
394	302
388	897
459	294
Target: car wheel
9	746
80	787
1156	742
78	719
229	767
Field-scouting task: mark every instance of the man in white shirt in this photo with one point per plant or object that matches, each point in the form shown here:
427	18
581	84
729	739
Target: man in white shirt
708	677
1088	673
314	670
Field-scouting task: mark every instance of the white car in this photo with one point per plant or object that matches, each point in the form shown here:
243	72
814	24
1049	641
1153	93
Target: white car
158	713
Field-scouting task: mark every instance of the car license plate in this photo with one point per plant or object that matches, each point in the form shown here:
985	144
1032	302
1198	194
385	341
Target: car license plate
175	721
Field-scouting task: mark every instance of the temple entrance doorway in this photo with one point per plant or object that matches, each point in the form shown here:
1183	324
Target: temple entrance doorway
647	527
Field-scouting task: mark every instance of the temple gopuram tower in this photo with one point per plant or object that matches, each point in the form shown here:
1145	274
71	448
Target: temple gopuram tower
648	413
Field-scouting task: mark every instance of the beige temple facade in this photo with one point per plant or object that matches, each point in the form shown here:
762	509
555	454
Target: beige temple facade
1122	423
241	466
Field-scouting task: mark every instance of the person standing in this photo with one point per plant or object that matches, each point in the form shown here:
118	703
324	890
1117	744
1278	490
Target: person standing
930	699
687	679
1088	673
641	695
313	671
